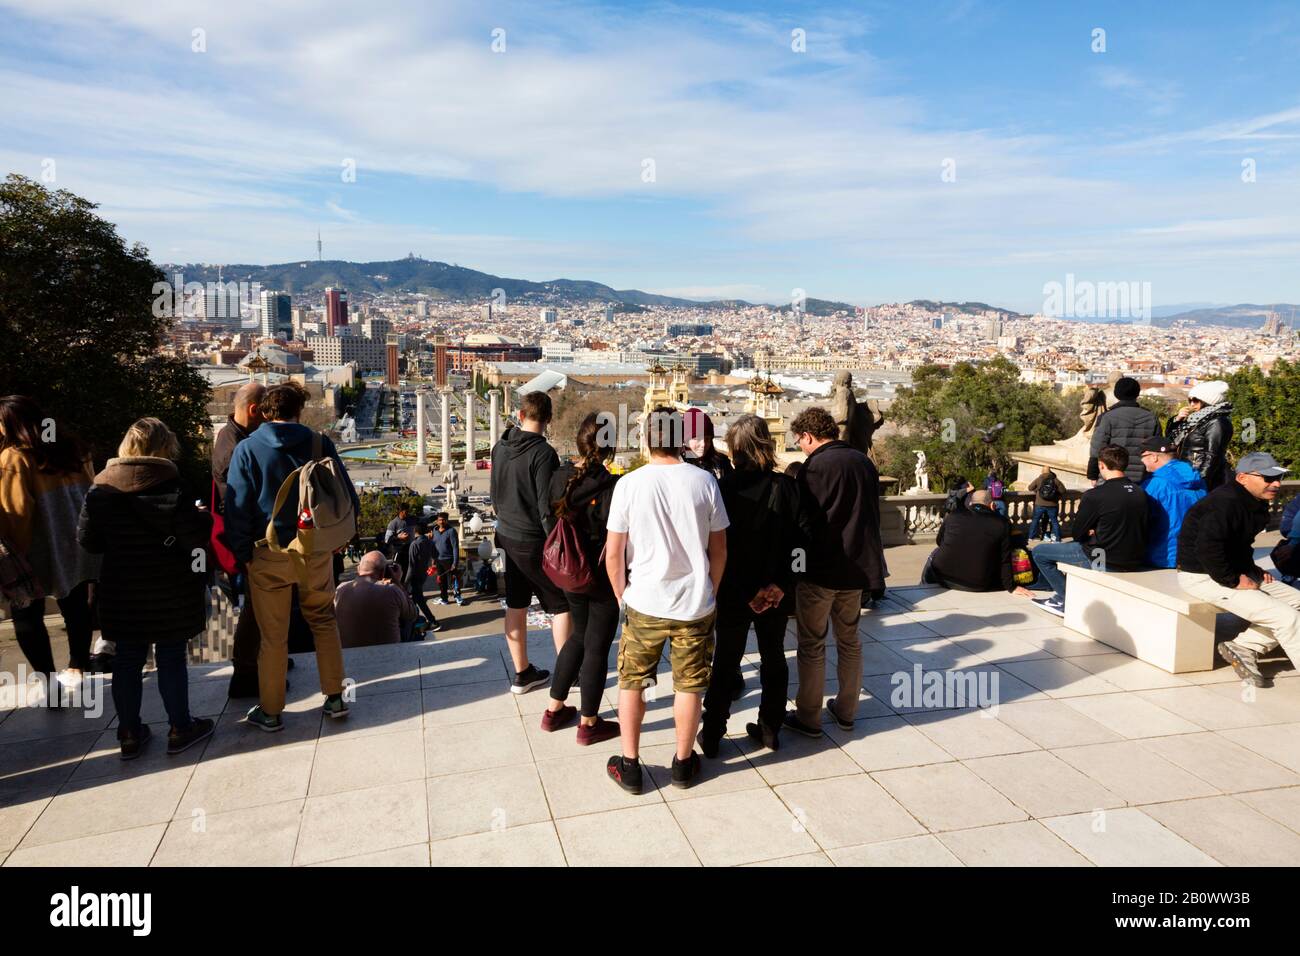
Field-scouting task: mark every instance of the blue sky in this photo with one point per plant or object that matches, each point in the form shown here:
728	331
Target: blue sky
773	169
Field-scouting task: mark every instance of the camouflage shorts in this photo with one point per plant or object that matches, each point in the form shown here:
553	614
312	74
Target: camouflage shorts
642	645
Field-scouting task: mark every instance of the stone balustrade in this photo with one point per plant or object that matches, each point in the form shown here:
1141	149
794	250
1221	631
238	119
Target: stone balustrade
915	519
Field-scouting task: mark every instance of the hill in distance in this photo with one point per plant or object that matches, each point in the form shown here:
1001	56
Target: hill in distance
1243	316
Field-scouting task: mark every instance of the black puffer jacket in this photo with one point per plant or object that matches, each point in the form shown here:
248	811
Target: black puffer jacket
588	508
144	523
1128	425
1204	446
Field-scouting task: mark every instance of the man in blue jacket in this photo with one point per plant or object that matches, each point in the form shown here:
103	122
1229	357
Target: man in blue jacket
1172	487
258	467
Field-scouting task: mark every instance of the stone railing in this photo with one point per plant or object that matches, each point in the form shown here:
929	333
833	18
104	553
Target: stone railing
915	519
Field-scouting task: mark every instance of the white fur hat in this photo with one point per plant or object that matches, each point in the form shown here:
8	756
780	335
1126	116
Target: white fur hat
1211	393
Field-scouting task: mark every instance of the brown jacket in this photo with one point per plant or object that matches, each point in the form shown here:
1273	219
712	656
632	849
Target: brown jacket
39	512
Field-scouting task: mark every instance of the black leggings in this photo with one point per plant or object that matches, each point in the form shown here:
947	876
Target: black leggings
773	671
34	639
585	656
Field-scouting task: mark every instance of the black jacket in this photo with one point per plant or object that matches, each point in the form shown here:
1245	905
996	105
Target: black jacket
1128	425
588	508
1204	447
522	466
974	551
839	515
763	508
153	582
223	447
419	555
1116	510
1218	535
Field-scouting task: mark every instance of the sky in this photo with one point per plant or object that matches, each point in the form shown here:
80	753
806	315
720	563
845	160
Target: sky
868	152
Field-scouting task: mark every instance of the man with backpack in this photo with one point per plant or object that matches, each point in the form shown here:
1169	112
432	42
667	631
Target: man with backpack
268	473
994	486
1047	505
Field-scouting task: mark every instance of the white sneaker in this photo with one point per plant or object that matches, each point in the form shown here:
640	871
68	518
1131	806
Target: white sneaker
437	601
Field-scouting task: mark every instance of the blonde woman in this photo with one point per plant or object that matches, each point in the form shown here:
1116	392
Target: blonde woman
144	522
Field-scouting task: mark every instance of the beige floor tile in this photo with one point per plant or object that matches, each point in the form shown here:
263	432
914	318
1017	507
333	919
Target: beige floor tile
104	762
376	714
482	800
1131	717
799	758
1053	723
1280	805
463	703
1021	616
912	851
17	818
729	771
1128	673
1278	742
1279	704
636	836
971	733
41	723
448	670
129	847
253	836
248	780
884	743
802	859
880	658
1011	844
345	824
357	763
1229	766
94	807
1203	706
1135	773
415	855
996	647
742	827
1043	784
845	811
1231	832
1126	837
532	845
579	784
1059	678
895	628
937	653
948	796
476	746
1060	641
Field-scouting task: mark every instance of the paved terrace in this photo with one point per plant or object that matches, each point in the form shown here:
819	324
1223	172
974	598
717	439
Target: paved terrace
1091	758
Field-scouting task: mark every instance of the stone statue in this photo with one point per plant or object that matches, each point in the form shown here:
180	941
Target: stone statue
922	486
1091	408
451	483
858	421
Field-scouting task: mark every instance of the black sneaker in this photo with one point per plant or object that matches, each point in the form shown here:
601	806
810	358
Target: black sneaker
132	744
685	771
709	740
845	725
626	773
1244	663
529	679
199	729
1052	605
433	628
760	733
799	727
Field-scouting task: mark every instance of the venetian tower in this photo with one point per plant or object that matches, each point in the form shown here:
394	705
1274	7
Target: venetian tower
765	402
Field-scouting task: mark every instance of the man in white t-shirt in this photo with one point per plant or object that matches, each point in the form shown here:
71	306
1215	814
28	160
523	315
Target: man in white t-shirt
665	553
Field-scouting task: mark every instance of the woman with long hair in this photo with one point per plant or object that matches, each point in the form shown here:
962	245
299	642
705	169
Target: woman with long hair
757	586
44	476
152	591
581	491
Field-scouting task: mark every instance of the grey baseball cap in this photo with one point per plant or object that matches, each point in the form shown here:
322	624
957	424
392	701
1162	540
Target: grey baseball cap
1260	463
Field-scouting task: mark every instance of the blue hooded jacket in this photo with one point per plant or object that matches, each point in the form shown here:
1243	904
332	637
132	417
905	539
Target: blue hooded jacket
1171	491
258	467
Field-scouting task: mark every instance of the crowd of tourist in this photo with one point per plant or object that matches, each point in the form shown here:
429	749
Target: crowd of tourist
689	553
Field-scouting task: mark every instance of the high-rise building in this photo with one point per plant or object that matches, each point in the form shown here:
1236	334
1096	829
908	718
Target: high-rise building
550	316
440	360
276	312
336	309
673	329
485	312
390	365
221	301
609	312
422	309
993	328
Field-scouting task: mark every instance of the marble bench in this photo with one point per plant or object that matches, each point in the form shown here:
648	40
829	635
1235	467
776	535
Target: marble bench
1144	614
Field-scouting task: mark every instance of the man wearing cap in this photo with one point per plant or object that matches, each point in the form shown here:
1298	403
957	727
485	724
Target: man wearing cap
1127	424
1216	563
1201	432
1172	487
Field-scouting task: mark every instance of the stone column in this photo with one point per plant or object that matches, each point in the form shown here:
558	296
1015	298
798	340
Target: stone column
494	417
469	428
445	423
420	436
505	401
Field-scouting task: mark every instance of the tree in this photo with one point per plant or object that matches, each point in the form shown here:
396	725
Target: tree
79	330
951	414
1264	411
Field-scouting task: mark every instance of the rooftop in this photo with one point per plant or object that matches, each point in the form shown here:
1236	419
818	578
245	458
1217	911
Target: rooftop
1091	757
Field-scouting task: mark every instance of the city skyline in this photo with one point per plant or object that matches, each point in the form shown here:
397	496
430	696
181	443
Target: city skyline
798	148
